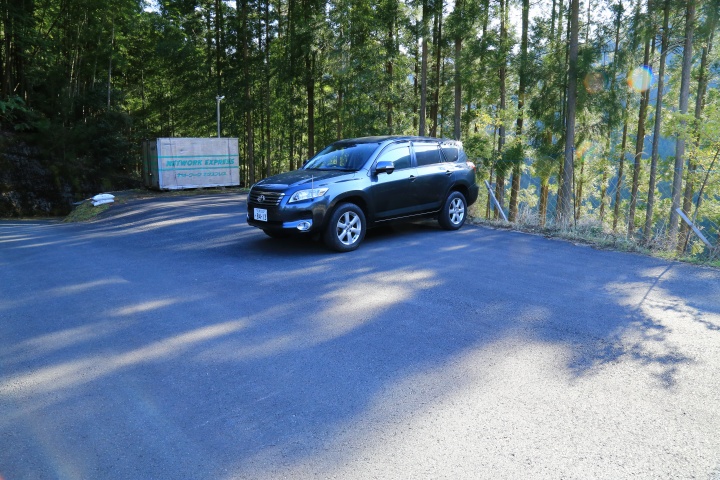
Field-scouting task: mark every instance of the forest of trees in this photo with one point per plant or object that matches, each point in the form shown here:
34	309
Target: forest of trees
604	112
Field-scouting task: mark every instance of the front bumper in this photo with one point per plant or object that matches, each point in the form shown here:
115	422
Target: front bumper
302	225
304	217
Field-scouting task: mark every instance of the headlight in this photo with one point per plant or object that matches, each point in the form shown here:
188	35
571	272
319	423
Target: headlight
301	195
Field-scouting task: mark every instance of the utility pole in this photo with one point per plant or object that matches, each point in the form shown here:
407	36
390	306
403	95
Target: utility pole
218	98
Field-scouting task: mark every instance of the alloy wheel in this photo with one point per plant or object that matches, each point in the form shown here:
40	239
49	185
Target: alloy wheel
457	211
349	228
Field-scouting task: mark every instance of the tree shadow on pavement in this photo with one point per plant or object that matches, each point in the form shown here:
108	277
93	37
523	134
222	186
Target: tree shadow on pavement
174	340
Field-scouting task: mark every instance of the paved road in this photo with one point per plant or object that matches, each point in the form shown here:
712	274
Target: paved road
171	340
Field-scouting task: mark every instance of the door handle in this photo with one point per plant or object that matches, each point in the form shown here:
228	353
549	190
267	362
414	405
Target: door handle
412	178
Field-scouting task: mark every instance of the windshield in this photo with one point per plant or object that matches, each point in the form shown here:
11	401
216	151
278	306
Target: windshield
342	156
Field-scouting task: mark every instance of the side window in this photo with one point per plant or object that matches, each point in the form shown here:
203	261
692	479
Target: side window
450	152
427	154
399	156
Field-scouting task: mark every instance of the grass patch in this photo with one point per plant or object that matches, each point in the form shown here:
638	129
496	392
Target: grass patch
594	234
86	212
585	234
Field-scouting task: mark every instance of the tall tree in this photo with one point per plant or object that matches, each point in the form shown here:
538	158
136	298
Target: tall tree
620	172
459	29
681	136
545	107
648	33
647	230
522	87
437	46
18	32
247	81
565	207
709	33
267	81
612	117
390	16
424	32
501	165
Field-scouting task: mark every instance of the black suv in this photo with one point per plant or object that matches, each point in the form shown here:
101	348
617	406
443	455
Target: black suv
363	182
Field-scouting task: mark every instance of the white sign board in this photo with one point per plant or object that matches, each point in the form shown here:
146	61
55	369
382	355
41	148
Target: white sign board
177	163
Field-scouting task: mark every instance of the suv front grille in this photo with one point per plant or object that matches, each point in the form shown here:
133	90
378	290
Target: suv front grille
259	197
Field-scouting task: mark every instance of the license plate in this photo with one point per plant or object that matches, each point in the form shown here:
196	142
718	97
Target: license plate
260	214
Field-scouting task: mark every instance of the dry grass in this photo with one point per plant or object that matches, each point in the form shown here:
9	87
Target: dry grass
592	232
85	212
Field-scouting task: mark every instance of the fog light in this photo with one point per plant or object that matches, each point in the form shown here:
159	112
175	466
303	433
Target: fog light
304	226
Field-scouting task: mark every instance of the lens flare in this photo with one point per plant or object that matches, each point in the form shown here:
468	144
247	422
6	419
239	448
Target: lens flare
640	79
582	149
594	82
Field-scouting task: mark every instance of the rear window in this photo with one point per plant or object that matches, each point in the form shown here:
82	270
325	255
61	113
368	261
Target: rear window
427	154
451	153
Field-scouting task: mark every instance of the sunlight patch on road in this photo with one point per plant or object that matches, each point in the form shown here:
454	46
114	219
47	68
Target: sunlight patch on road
156	225
59	340
37	245
152	223
300	274
15	238
288	335
143	307
454	248
78	372
360	301
30	297
84	287
265	349
654	337
333	314
657	304
413	424
504	406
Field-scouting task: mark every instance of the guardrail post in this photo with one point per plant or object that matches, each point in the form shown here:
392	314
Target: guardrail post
497	204
694	228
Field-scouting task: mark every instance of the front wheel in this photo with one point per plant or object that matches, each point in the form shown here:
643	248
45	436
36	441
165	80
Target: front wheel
454	211
346	228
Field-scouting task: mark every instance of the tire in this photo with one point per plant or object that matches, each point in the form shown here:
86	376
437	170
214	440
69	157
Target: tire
454	211
276	233
346	228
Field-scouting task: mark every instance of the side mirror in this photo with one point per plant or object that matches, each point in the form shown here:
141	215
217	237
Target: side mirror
384	166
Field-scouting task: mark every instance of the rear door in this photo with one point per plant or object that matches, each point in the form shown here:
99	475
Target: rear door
433	176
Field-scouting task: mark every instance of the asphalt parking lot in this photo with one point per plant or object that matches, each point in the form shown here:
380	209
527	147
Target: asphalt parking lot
171	340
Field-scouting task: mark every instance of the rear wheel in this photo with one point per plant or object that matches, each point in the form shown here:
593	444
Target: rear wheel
454	211
346	228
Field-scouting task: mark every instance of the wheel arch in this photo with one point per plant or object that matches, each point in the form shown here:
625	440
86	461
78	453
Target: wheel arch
351	197
459	187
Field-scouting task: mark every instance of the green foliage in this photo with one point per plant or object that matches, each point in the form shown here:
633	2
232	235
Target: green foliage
478	148
13	111
512	154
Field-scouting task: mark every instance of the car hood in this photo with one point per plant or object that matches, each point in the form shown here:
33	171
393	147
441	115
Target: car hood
304	177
